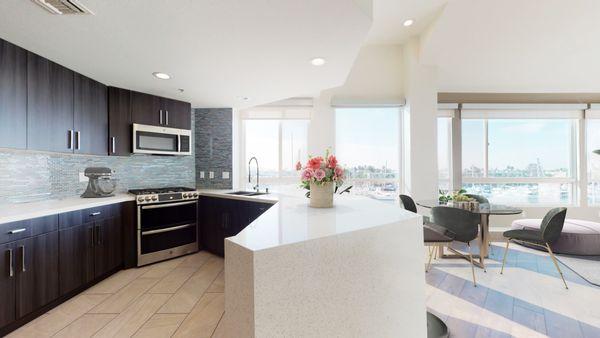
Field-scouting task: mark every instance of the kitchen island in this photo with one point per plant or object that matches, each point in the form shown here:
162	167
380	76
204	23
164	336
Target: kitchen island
355	270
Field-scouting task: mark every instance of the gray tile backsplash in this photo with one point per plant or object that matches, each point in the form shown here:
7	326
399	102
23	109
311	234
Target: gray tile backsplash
28	176
214	146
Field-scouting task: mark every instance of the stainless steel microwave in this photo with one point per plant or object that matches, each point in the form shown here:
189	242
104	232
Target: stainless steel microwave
161	140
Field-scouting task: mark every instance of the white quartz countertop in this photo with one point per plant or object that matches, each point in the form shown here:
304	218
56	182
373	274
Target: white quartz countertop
21	211
291	220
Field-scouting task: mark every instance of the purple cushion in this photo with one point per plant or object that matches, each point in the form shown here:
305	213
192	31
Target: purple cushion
578	237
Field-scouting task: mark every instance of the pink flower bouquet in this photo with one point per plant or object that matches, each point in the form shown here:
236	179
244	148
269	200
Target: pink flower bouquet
320	170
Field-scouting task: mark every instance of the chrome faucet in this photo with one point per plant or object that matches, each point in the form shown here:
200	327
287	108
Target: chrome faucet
250	173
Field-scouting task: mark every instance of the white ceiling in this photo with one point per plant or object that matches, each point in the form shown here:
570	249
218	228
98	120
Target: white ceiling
389	16
516	46
216	50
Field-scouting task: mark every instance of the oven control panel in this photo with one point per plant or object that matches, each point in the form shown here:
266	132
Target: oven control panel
167	197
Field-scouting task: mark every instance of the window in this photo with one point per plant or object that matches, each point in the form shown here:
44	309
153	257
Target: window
520	161
593	169
444	146
368	145
278	145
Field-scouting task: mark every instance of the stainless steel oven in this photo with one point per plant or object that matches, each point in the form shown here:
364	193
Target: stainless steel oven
161	140
167	226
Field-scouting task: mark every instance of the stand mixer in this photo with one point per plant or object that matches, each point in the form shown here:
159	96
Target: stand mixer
100	184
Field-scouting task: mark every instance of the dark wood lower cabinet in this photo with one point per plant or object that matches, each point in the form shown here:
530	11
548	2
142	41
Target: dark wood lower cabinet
220	218
8	290
76	257
37	272
108	249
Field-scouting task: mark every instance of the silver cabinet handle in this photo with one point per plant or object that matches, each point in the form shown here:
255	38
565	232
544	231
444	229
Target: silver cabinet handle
159	231
70	139
16	231
113	144
161	119
23	258
78	137
95	213
11	270
167	115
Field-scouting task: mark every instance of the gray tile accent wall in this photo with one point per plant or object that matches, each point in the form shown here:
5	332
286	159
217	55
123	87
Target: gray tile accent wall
214	146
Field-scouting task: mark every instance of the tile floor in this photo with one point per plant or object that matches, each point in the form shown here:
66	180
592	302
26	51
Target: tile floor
184	298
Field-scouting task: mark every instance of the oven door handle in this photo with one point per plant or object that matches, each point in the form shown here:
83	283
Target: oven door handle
166	205
159	231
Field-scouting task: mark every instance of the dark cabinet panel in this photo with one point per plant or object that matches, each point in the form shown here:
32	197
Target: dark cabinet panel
37	281
146	109
119	122
13	96
255	209
8	291
108	249
76	254
49	105
178	114
90	116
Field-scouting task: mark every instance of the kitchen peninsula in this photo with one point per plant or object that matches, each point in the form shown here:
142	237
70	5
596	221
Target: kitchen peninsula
294	269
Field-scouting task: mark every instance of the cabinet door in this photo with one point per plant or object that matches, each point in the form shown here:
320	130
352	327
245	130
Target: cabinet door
255	209
90	116
119	122
108	249
8	289
76	255
178	114
37	271
49	105
146	109
211	221
13	96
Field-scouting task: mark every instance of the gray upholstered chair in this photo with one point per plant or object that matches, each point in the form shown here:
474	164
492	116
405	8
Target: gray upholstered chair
434	236
478	198
548	233
409	204
462	223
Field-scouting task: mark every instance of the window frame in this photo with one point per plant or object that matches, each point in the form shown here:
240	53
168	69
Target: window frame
574	180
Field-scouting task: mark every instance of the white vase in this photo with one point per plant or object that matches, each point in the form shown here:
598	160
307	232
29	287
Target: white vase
321	195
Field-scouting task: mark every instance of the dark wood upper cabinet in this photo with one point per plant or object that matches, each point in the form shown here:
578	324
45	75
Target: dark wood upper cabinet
90	116
146	109
49	105
13	96
119	122
37	265
177	114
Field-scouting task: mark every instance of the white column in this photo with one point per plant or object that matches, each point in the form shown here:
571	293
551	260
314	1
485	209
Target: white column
321	131
420	125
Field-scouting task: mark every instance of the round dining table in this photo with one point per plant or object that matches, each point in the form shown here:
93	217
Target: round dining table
485	210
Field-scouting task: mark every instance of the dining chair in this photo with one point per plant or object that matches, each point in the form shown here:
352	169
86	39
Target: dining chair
549	232
478	198
462	223
409	204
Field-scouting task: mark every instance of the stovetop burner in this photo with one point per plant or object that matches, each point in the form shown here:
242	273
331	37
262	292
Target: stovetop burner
152	191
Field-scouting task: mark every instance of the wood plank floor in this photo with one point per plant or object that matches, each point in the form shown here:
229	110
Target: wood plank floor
184	297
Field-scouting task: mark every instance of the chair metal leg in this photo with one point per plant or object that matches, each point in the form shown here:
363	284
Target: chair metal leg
431	252
556	264
505	252
472	264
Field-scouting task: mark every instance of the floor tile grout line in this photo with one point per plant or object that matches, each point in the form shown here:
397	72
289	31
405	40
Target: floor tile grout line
219	322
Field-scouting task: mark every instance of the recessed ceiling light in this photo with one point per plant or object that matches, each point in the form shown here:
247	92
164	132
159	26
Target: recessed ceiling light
162	76
408	22
243	98
317	61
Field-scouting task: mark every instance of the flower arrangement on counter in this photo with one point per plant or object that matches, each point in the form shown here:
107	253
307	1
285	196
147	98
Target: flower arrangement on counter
321	171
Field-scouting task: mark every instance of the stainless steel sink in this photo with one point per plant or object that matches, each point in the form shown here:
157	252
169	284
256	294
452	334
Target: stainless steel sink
246	193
